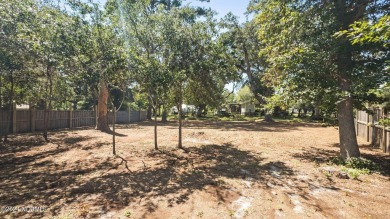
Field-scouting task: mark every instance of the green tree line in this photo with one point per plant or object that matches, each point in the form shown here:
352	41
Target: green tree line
155	54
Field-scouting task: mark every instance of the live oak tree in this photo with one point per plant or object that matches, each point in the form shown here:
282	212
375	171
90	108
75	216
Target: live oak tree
101	56
166	64
140	24
190	56
243	44
16	77
301	45
34	32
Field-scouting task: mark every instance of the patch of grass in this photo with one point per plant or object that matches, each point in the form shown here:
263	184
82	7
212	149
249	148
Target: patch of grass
355	167
232	118
200	214
231	213
327	174
297	120
127	213
62	217
83	211
361	164
355	173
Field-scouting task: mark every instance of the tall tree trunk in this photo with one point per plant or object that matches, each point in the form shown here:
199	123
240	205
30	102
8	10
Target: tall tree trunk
253	82
45	121
1	109
11	101
201	109
316	112
48	98
164	115
348	142
180	109
102	110
149	112
155	128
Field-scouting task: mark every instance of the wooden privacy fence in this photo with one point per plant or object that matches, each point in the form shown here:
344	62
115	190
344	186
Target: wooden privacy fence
367	127
33	120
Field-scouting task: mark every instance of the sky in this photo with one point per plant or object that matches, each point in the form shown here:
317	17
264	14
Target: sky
222	7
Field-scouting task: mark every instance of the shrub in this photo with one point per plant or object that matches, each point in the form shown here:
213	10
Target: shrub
361	164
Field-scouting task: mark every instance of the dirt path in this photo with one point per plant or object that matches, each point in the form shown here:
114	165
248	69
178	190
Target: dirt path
228	170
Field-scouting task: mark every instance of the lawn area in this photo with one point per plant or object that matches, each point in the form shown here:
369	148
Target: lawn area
228	170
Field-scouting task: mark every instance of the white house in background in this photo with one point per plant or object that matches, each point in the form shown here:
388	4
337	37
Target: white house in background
247	107
23	106
186	109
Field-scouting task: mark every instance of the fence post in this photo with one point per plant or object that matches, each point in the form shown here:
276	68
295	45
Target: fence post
70	116
368	127
139	116
387	142
96	115
113	131
357	123
14	117
32	119
129	111
383	132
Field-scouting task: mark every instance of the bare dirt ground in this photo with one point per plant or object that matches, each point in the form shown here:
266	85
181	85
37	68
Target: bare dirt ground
228	170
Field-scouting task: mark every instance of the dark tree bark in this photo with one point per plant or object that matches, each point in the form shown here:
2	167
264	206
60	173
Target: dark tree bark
155	129
348	142
164	115
345	17
180	109
316	113
47	107
149	112
201	109
11	101
102	110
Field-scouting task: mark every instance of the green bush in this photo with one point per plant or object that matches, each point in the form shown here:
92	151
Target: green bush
385	122
361	164
355	167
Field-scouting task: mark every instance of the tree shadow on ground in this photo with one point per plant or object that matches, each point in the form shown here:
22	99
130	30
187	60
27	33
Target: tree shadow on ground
322	156
177	175
110	132
34	180
230	125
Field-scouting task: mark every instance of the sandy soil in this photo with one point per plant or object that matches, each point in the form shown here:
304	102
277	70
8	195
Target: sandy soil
228	170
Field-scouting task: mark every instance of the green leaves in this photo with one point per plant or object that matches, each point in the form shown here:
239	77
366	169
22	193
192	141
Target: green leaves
369	32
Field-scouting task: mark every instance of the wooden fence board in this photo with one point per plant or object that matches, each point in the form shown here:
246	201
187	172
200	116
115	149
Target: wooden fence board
33	120
134	116
367	128
5	126
23	121
122	117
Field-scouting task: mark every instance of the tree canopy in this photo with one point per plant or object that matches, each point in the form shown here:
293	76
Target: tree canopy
330	56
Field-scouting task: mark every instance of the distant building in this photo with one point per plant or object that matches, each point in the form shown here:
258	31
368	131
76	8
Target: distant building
186	109
22	106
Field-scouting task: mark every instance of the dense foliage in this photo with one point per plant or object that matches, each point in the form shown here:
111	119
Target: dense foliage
325	56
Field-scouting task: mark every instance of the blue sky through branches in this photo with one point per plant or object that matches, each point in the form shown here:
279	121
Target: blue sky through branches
222	7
